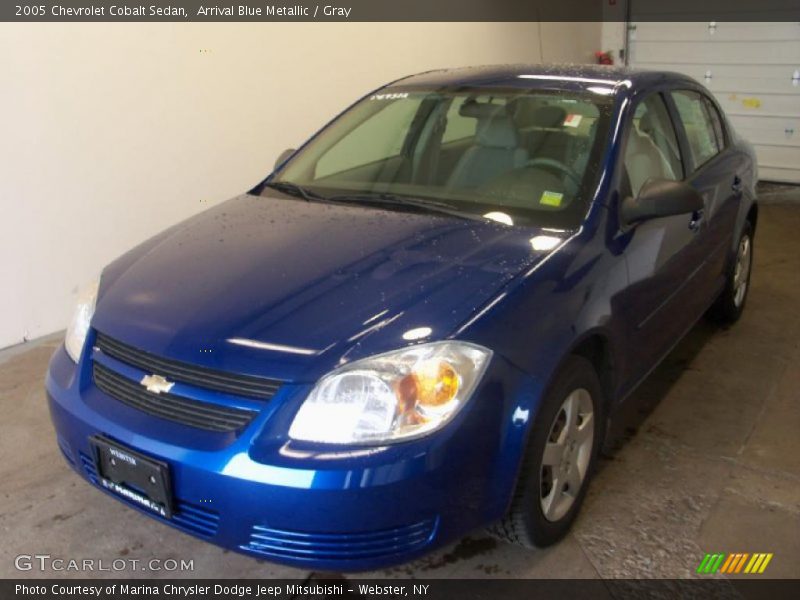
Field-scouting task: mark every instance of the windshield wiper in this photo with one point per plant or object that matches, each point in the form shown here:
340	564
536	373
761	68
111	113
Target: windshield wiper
397	200
288	187
383	198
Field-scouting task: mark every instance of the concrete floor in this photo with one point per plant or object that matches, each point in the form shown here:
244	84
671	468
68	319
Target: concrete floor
714	465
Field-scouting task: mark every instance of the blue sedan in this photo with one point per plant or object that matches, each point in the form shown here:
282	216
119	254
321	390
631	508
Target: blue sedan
421	323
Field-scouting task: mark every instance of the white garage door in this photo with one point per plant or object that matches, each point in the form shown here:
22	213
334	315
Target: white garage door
752	68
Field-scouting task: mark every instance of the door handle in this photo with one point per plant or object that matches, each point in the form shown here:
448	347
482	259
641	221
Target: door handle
737	186
697	218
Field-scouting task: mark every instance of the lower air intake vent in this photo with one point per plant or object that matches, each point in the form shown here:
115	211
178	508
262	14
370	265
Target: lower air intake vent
89	468
199	521
276	543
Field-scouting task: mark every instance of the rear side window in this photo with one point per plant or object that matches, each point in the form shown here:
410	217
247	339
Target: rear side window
458	127
701	130
716	121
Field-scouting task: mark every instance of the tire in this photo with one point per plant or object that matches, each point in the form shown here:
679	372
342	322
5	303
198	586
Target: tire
729	305
533	521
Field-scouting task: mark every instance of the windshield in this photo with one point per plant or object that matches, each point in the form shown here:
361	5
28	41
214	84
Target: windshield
517	156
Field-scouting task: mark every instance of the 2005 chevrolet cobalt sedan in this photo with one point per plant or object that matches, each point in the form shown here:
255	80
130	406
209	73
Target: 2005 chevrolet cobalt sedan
421	323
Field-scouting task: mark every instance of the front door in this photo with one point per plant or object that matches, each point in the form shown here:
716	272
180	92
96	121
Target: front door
665	255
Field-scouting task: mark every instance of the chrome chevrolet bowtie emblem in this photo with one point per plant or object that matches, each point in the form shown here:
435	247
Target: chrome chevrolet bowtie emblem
156	384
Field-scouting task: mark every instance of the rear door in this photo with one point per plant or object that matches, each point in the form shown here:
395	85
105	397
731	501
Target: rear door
714	169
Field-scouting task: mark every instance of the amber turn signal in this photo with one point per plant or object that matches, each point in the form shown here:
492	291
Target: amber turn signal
431	384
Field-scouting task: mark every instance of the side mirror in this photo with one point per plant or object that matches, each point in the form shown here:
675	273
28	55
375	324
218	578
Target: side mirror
660	198
283	156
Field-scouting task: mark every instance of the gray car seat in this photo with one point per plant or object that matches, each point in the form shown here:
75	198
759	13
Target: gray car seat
497	148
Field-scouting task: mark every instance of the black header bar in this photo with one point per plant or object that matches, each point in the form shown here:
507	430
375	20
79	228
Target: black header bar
398	10
342	588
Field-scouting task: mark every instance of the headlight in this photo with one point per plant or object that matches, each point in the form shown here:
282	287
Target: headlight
394	396
79	325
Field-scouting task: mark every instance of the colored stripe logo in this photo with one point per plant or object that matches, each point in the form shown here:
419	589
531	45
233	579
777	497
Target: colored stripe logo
731	564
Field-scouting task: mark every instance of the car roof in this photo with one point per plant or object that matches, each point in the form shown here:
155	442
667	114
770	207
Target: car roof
536	76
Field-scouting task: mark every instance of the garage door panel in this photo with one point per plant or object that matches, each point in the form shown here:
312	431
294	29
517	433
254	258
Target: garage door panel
749	85
754	123
730	73
759	104
720	53
721	32
789	175
742	79
778	134
778	156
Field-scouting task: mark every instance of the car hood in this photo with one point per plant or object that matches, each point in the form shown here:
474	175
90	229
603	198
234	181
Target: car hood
280	287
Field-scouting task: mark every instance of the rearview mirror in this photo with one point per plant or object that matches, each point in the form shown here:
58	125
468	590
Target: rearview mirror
660	198
283	156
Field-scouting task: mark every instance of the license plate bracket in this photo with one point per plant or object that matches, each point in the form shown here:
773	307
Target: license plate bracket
133	476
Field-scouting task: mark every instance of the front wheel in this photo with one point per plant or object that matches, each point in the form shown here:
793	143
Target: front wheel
559	459
730	304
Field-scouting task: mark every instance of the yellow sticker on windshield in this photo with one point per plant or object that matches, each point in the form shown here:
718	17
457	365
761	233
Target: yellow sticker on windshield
551	198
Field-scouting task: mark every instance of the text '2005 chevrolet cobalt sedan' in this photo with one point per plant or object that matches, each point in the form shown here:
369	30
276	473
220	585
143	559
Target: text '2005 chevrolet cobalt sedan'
420	324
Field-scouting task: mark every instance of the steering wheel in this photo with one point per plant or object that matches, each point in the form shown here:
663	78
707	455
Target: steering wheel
559	168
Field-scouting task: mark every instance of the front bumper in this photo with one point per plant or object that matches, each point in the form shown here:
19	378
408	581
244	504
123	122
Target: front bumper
349	509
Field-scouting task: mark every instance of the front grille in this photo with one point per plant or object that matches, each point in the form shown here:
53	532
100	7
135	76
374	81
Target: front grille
221	381
213	417
276	543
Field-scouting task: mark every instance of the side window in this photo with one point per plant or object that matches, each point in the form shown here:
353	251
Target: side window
458	127
697	122
716	121
652	150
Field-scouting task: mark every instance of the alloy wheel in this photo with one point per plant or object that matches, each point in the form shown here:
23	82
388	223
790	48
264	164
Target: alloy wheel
741	274
567	454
